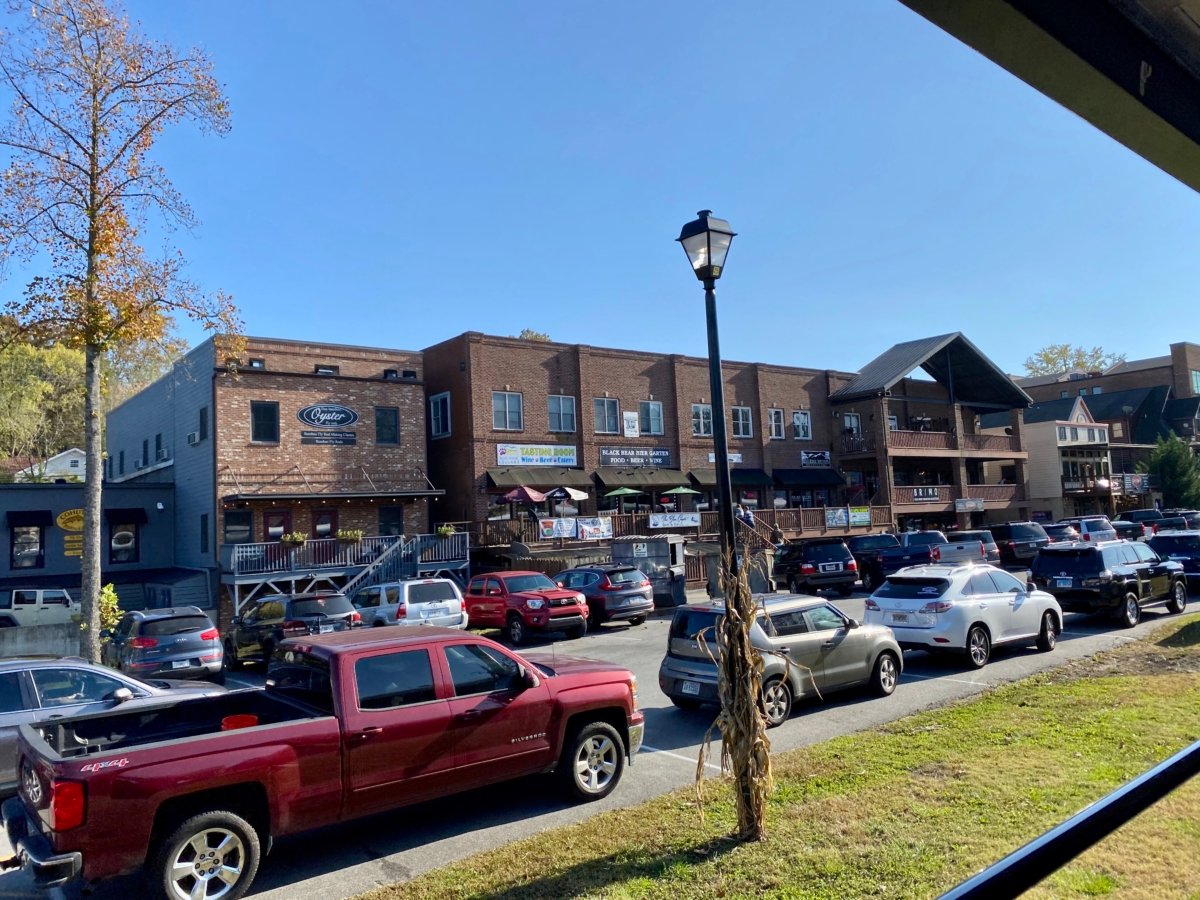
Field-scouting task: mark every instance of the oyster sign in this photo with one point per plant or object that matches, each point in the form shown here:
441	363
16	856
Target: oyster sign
327	415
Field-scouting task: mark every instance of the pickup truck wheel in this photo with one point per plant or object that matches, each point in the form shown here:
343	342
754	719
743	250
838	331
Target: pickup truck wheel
1178	601
514	630
577	632
1048	636
1131	610
979	647
210	856
593	761
232	663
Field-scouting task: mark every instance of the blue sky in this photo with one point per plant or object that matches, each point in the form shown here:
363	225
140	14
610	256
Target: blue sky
399	172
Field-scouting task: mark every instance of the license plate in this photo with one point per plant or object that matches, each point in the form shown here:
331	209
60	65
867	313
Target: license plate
324	629
179	664
436	611
690	687
899	617
831	567
1062	582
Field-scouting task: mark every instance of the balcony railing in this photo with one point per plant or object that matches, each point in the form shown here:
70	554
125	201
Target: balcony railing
1001	443
946	493
1089	484
323	553
857	443
996	492
922	440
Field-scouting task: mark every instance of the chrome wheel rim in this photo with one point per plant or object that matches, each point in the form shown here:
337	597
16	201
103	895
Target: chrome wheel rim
775	702
1131	610
596	763
516	631
1180	597
208	865
978	647
1050	629
887	674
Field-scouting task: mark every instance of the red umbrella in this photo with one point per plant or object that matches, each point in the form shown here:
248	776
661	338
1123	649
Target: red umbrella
523	494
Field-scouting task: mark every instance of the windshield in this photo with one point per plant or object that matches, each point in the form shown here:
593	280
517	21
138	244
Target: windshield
922	538
332	605
959	536
1071	562
177	625
873	542
431	593
912	588
626	576
690	622
530	583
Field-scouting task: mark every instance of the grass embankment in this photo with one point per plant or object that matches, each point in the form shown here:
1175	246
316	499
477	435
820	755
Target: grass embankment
908	810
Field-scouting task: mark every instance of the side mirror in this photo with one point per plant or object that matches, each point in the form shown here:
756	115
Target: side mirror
529	679
560	584
120	695
853	623
1030	587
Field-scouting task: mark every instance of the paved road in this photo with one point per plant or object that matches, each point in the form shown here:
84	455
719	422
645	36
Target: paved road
346	860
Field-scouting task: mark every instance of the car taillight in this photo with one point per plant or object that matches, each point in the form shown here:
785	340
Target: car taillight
935	606
935	554
295	626
1010	544
143	643
807	568
982	551
1086	536
356	618
872	605
852	566
1154	527
210	635
66	805
607	585
401	612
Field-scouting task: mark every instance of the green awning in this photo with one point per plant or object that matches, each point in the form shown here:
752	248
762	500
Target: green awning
738	477
539	477
808	478
641	476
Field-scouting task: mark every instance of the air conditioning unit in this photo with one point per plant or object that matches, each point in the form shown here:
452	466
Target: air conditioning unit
139	464
193	438
162	454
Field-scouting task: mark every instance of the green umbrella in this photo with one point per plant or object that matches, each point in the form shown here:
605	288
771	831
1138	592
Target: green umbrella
681	490
623	492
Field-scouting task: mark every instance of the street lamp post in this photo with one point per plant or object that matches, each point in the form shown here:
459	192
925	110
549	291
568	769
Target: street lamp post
706	242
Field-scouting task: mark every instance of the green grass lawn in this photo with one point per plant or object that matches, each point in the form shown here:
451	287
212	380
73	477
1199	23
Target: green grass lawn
907	810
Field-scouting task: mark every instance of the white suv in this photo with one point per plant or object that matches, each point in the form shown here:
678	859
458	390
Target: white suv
418	601
36	606
1093	528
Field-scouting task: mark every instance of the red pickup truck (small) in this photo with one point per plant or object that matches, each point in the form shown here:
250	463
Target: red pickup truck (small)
349	724
524	602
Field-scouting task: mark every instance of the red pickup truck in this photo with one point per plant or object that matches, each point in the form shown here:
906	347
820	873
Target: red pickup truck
523	603
349	724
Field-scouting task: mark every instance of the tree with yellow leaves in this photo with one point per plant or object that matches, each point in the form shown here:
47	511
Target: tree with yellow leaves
90	98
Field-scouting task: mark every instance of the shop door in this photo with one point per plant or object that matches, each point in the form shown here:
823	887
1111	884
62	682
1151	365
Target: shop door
276	523
324	523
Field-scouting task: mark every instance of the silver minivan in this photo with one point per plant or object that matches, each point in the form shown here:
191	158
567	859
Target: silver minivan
417	601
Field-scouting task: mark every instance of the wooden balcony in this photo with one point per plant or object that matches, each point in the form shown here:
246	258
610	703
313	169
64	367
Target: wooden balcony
998	443
921	440
945	494
996	493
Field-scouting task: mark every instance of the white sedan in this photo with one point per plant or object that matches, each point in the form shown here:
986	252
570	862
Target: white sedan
967	607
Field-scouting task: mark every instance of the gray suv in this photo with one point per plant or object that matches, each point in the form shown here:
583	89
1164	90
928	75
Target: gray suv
180	641
614	592
808	646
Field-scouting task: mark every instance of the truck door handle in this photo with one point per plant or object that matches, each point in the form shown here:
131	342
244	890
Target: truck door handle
827	644
370	732
469	714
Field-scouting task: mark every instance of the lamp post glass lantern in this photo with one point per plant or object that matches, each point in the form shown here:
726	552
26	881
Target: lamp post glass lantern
706	242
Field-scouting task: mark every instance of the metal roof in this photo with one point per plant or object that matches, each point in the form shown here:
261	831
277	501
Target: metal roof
950	360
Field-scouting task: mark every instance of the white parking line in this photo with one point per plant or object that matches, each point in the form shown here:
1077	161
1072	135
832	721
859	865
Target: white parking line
646	749
944	678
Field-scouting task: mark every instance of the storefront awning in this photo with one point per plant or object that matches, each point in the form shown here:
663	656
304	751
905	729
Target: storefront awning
25	518
642	476
333	496
738	477
808	478
539	477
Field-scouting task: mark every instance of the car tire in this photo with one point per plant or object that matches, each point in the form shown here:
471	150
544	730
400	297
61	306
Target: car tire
188	855
776	702
793	585
268	650
685	703
593	761
885	675
979	647
514	630
218	679
1047	638
595	619
845	590
1131	610
232	662
868	582
637	620
1178	601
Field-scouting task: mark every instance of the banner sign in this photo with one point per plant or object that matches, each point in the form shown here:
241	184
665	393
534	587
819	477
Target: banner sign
970	504
733	457
837	517
595	529
659	457
327	415
329	438
675	520
860	515
929	492
535	455
630	420
556	528
815	459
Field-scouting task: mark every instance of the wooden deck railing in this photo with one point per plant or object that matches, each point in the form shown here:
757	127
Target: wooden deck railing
1002	443
922	440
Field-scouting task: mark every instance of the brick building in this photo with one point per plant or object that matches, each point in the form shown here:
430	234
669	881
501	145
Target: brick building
291	437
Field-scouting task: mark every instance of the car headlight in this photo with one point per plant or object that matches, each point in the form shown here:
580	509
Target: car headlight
633	690
581	599
535	603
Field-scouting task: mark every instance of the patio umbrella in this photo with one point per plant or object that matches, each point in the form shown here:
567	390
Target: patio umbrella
623	492
566	493
681	490
523	494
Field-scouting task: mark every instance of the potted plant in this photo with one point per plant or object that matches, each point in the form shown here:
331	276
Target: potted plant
349	535
445	530
294	538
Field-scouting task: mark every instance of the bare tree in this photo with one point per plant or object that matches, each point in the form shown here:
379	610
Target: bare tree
90	98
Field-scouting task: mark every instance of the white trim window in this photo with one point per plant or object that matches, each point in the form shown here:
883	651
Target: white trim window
893	423
561	410
852	422
801	425
650	418
743	422
507	411
702	425
608	415
775	424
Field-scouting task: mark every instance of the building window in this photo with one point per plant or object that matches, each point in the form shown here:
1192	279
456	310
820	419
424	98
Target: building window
743	423
1091	435
146	452
387	425
1074	433
852	423
1195	381
702	420
1118	430
893	423
264	422
123	542
1063	395
439	415
158	448
239	526
1062	432
256	363
26	548
608	416
121	463
561	410
775	424
391	520
1103	435
1097	390
74	464
801	425
323	369
506	411
1083	392
650	418
203	429
203	532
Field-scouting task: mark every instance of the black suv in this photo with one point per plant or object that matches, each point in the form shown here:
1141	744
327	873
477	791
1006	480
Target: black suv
1184	548
256	634
1018	542
816	565
1114	576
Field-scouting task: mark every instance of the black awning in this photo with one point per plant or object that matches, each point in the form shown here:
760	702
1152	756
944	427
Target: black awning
24	518
134	515
642	476
737	477
539	477
808	478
